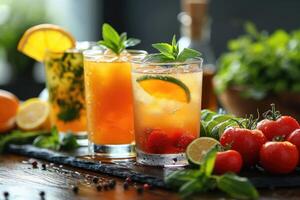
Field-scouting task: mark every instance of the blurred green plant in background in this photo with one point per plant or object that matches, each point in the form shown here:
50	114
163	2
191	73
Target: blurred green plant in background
16	16
261	64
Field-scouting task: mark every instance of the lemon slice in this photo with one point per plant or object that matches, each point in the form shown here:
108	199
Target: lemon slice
39	39
198	148
166	87
33	114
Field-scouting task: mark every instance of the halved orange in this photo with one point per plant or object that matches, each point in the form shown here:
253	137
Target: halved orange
9	104
39	39
166	87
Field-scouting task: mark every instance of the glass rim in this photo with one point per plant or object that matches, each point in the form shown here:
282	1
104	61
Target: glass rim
196	60
76	49
99	52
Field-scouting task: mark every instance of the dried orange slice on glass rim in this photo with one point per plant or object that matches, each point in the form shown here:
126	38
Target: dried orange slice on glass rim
39	39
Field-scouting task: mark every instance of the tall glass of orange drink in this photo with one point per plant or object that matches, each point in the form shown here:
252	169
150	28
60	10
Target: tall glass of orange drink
167	106
65	84
109	102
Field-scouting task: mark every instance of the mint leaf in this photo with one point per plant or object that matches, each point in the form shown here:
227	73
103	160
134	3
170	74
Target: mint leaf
237	187
209	162
191	187
53	141
170	52
69	142
131	42
110	34
48	142
115	42
19	137
178	178
187	53
165	49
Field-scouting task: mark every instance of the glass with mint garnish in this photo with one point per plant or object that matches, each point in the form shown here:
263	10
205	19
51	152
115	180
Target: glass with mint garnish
109	95
167	88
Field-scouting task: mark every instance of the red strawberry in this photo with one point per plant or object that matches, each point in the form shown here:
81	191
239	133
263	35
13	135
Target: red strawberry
157	142
184	140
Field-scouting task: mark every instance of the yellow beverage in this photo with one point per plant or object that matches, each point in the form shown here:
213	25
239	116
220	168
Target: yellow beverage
109	103
167	105
65	83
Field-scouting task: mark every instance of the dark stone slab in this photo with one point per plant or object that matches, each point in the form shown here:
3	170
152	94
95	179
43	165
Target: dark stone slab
139	173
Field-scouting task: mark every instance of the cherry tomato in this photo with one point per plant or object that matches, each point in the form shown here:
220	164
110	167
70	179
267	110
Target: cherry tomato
279	157
228	161
294	138
283	126
246	142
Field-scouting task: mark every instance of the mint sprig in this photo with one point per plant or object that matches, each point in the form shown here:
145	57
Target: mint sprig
67	142
171	53
115	42
191	181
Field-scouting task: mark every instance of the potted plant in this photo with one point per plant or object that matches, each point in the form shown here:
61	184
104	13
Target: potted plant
260	69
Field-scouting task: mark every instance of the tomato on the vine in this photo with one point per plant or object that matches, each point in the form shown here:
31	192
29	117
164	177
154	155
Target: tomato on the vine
276	125
279	157
228	161
294	138
246	142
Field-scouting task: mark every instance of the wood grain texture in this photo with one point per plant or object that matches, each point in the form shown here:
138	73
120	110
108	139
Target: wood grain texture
23	182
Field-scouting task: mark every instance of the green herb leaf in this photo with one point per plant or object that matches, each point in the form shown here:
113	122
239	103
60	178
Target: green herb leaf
177	178
69	142
237	187
187	53
48	142
170	52
110	34
54	142
209	161
190	188
165	49
131	42
19	137
115	42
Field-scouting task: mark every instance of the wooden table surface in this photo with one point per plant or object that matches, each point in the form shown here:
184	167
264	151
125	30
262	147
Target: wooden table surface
22	181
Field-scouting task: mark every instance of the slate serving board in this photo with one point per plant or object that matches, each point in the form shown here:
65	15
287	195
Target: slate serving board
139	173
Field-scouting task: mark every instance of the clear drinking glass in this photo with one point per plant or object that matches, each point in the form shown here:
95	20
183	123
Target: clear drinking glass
109	102
65	84
167	106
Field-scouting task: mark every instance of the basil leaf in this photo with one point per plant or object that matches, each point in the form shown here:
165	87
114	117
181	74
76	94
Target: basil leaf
237	187
178	178
131	42
69	142
209	162
187	53
165	49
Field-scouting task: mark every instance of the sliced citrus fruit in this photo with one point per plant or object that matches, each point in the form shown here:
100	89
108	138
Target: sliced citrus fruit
166	87
34	114
198	148
39	39
9	104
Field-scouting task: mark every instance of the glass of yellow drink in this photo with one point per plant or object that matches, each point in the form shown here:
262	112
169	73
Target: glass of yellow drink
167	106
109	102
65	84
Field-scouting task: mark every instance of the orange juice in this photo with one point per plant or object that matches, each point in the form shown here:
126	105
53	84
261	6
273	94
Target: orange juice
109	103
65	83
167	105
